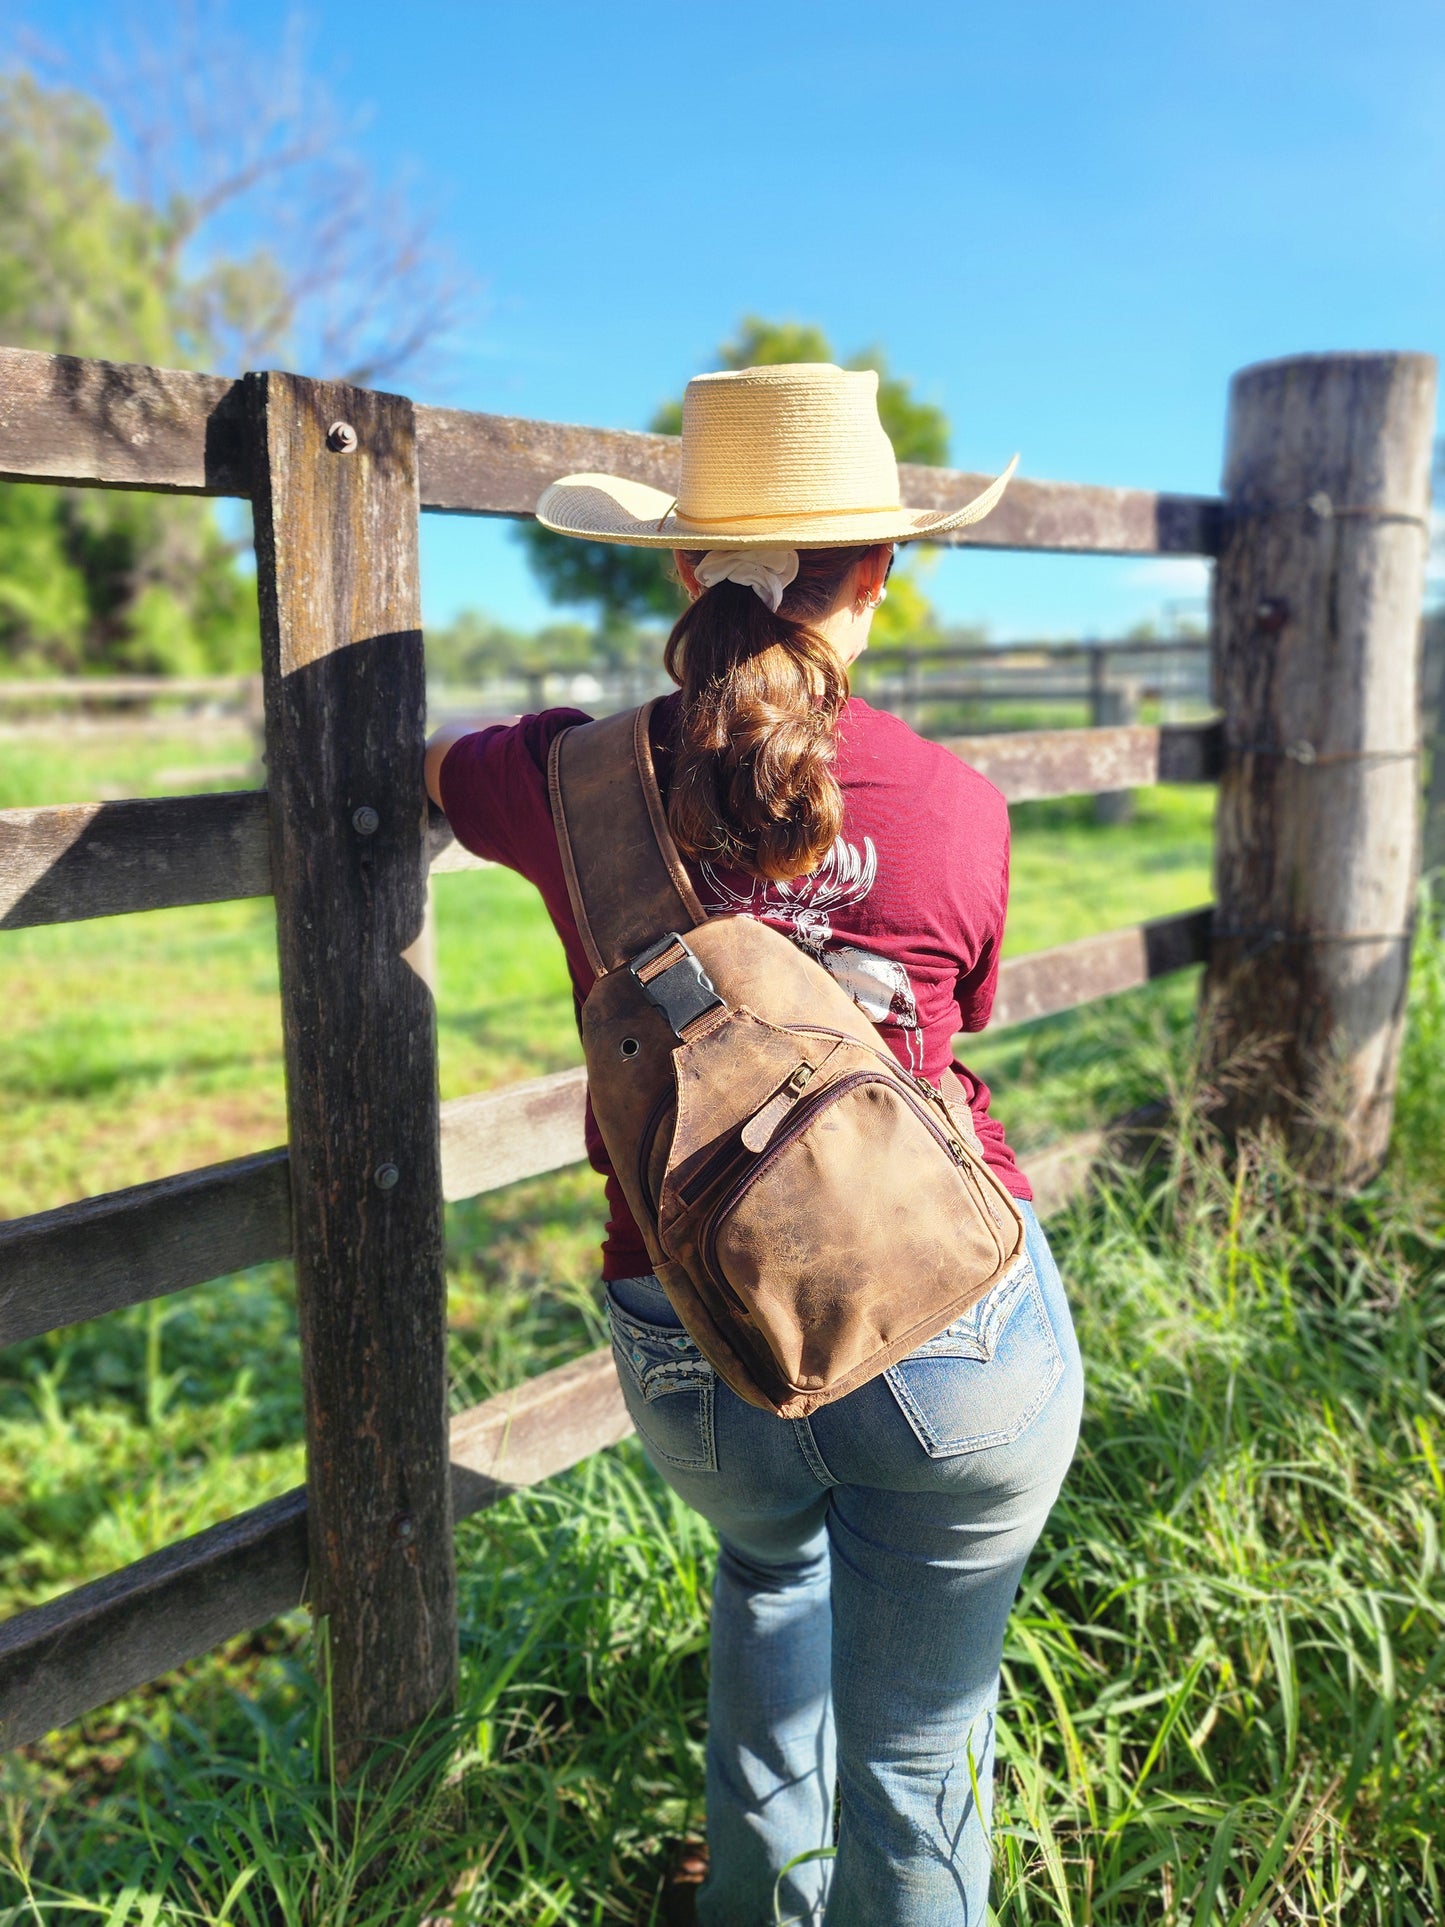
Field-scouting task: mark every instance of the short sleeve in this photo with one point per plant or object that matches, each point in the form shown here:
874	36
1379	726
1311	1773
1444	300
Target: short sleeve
494	791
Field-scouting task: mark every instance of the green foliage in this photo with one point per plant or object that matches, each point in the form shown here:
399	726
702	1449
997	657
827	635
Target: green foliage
94	580
83	271
623	583
474	648
89	579
1419	1140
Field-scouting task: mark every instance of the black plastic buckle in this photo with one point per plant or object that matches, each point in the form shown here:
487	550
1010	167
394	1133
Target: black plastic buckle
682	990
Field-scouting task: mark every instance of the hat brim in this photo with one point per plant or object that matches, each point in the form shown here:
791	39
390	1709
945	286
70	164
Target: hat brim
609	508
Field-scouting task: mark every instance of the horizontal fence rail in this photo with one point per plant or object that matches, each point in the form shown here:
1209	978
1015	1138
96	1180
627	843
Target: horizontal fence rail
71	690
68	862
81	1260
86	1647
1033	764
114	425
1048	981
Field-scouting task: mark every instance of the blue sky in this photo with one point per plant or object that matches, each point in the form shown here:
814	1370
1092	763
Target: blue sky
1067	224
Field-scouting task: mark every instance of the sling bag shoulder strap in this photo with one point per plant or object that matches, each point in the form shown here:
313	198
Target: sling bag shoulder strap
624	876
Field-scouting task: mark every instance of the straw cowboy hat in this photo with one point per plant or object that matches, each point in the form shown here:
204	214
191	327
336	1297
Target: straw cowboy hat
790	455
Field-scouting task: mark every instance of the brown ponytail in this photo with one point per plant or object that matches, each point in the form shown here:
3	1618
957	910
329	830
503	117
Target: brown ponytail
753	783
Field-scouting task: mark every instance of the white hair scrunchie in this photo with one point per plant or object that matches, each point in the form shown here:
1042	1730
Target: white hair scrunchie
767	572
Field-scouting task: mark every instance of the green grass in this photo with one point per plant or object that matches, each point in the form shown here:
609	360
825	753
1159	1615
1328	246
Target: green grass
1225	1677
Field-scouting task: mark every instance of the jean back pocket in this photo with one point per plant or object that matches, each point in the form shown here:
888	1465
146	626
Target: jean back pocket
985	1378
669	1388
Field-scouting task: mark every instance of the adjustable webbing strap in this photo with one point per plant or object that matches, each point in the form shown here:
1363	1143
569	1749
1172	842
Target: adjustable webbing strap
624	876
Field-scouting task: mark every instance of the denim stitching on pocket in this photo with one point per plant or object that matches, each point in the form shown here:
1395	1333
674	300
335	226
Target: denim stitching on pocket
976	1332
680	1370
923	1426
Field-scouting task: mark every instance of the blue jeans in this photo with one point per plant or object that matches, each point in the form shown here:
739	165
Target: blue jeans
868	1559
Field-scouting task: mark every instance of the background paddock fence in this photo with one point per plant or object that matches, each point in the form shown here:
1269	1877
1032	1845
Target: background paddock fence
355	1197
1172	674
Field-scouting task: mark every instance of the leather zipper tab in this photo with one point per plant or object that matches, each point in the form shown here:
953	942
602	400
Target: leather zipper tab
758	1131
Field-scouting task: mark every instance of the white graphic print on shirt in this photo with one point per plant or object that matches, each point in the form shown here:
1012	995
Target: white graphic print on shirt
878	985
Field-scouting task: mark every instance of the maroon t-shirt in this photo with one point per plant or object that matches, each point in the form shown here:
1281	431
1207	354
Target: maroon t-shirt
906	911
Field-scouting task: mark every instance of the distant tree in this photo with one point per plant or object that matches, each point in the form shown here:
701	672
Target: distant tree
88	578
624	585
473	649
124	236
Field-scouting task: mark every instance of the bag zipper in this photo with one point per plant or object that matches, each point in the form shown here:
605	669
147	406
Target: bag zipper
734	1146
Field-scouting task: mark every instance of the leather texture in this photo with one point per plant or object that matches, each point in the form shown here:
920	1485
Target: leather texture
812	1211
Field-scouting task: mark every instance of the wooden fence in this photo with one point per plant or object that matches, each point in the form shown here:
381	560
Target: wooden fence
1320	547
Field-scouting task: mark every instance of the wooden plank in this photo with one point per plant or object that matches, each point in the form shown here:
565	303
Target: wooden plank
492	1138
111	425
337	573
1034	763
59	1660
473	464
546	1424
69	862
1058	1173
85	1648
1077	973
81	1260
1069	517
107	424
65	863
79	860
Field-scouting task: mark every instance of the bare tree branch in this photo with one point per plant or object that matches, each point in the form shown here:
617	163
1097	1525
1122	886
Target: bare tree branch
281	238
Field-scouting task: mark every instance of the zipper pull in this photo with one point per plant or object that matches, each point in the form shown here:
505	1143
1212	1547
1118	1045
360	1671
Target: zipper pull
757	1133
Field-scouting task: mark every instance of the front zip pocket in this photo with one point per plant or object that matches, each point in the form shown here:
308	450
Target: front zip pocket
894	1237
803	1114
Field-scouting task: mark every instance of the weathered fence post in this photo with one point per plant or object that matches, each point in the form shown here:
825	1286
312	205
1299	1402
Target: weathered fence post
1316	623
336	545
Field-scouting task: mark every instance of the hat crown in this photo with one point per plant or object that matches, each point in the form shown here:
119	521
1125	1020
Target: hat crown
790	439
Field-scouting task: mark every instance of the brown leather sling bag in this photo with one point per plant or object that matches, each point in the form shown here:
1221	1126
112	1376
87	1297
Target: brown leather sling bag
813	1212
